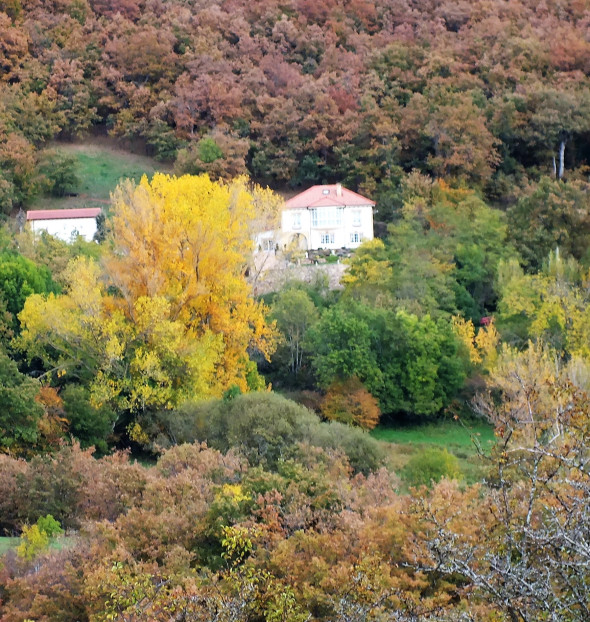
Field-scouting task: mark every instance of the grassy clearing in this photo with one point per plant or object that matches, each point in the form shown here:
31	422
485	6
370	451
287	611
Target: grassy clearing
100	168
453	435
8	544
404	442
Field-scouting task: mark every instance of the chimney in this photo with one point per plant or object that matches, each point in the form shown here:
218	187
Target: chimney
338	190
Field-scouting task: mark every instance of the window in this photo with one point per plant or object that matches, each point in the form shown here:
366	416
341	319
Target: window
356	218
327	238
326	217
268	245
356	238
296	223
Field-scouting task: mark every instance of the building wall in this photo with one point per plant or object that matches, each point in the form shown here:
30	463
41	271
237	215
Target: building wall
356	226
66	228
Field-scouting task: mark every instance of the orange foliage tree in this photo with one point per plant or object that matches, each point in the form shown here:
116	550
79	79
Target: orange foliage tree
349	402
53	424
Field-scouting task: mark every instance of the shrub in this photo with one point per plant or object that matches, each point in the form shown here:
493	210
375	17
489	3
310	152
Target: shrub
267	429
50	526
363	452
91	426
35	538
51	485
199	459
59	173
349	402
263	426
431	465
110	486
33	541
53	591
12	471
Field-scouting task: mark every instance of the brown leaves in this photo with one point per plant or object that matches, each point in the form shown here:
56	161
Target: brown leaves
349	402
13	47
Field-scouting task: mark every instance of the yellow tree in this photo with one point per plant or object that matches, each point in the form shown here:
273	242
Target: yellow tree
167	315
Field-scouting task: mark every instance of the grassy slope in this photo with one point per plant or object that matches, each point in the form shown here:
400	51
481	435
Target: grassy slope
101	166
7	544
407	441
450	434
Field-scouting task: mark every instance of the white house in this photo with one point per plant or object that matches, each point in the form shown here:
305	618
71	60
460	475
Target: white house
65	224
328	216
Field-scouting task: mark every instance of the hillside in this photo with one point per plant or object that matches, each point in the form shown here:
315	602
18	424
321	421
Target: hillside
98	165
492	94
401	435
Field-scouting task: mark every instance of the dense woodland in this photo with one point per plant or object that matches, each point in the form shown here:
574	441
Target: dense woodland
493	94
469	124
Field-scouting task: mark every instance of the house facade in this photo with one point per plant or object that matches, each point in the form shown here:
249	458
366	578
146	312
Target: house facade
327	217
65	224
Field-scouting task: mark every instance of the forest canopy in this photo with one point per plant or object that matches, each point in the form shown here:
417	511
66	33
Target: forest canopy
152	464
491	94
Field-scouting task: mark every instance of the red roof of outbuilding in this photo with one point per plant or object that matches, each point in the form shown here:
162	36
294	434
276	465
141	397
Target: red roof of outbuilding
327	195
57	214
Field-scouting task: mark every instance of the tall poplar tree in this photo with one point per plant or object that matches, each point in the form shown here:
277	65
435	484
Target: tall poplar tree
167	316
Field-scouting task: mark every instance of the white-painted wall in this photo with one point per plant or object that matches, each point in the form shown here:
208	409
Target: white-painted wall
356	227
66	229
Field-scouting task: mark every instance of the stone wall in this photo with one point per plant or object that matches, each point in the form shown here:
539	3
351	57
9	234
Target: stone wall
272	271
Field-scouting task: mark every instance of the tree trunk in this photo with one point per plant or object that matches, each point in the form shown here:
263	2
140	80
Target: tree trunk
554	167
561	156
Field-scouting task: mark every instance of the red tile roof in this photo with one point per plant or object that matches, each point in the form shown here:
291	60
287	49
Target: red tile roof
56	214
327	195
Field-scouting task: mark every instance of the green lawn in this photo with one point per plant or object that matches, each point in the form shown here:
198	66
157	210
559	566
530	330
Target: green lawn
100	170
6	544
404	442
453	435
100	167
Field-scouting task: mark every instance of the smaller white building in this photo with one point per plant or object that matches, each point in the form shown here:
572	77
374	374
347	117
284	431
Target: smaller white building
65	224
327	217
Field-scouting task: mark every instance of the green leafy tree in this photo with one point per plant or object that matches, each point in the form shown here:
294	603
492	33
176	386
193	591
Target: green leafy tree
410	363
91	425
59	173
19	278
421	368
440	258
163	140
19	412
294	312
554	214
50	526
340	345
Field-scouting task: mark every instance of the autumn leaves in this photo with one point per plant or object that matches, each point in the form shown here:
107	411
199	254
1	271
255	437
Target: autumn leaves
166	314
